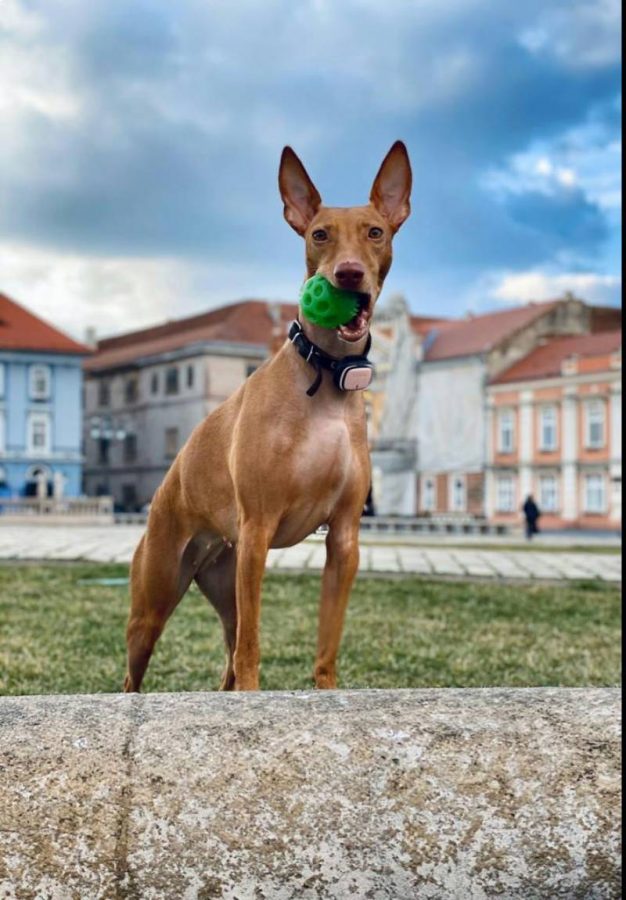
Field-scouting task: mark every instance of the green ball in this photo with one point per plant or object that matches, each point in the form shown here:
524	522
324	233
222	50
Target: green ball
325	305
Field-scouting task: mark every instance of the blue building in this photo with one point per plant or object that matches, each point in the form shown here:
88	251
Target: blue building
40	405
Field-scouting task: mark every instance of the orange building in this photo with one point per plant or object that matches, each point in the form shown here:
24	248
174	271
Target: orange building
554	431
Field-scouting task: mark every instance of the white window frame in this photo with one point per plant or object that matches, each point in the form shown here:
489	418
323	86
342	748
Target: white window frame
2	371
544	504
429	487
601	507
453	480
590	405
547	412
35	373
3	431
511	502
38	419
504	415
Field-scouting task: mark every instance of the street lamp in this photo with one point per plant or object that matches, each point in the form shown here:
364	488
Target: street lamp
106	428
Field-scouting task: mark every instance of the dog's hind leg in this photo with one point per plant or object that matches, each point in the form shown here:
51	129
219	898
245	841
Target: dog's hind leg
163	567
217	581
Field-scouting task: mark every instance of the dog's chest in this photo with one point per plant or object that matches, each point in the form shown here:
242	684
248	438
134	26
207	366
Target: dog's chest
325	457
316	476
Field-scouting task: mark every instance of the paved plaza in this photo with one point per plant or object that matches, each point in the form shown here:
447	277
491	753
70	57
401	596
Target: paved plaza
115	543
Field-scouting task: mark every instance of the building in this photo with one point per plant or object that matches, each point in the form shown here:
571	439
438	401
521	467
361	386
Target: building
40	405
554	426
432	398
460	359
397	352
146	391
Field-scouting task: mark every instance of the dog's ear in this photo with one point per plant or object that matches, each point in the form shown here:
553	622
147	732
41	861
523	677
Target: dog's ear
299	194
392	186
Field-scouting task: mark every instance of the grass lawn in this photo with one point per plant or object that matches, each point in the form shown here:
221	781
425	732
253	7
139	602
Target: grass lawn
60	636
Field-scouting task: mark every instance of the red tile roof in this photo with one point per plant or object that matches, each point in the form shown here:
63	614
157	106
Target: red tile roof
423	324
478	334
246	322
545	361
22	330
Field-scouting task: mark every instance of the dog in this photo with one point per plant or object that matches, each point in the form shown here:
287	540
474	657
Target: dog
280	456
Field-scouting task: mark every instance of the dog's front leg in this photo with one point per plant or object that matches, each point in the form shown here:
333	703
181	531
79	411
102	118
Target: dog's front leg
342	563
252	547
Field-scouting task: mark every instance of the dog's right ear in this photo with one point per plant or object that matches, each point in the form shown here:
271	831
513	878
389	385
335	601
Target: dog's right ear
299	194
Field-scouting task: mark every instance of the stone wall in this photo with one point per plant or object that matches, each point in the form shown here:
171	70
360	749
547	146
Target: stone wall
369	794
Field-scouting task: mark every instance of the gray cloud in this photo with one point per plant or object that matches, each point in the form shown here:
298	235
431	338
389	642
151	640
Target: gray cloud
152	130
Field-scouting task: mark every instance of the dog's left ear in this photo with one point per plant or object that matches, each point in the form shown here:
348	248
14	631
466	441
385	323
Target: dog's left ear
392	186
299	194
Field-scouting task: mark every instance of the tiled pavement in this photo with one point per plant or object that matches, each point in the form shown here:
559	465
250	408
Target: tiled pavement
115	543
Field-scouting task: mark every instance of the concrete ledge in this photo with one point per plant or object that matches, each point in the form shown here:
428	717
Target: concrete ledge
368	794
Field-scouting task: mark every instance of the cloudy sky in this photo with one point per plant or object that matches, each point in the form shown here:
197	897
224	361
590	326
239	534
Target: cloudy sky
140	143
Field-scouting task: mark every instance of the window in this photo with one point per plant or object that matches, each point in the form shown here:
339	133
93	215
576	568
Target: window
457	497
548	493
547	428
595	424
190	376
171	442
38	437
130	448
171	380
104	447
2	431
40	382
104	393
154	383
131	390
595	494
505	494
429	500
1	379
506	431
129	497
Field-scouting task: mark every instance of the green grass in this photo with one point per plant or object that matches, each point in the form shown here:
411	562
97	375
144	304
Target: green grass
59	636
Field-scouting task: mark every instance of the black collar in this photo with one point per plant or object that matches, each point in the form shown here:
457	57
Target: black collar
312	354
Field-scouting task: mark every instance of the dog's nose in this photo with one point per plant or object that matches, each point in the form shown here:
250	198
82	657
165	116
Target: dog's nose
349	275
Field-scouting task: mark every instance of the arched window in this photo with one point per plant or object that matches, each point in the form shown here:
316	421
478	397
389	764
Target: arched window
36	472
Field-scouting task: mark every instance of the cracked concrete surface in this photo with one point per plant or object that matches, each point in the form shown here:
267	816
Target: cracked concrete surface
366	794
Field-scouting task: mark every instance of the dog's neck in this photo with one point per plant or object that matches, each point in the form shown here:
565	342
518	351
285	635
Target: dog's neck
329	341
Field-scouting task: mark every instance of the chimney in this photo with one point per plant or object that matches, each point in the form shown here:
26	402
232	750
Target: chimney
90	338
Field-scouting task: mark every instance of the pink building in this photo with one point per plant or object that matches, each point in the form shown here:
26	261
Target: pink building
554	430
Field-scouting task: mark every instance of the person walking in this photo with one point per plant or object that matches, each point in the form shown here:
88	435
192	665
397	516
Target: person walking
531	513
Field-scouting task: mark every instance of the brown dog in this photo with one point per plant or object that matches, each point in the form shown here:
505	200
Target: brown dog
272	463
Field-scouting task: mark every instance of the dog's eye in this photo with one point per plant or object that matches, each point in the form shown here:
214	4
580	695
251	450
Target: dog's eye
320	235
375	233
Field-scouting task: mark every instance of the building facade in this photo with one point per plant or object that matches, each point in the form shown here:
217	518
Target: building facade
145	392
555	431
431	398
40	406
460	360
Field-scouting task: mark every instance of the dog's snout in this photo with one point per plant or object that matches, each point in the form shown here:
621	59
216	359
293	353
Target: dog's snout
349	275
